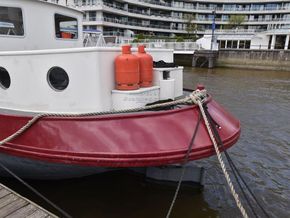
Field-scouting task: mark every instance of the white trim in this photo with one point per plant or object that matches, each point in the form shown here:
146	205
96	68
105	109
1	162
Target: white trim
64	14
72	50
23	20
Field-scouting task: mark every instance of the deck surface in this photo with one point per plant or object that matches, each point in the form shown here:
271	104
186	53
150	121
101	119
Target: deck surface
13	205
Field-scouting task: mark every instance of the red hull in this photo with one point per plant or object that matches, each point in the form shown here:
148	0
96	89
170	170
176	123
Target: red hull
123	140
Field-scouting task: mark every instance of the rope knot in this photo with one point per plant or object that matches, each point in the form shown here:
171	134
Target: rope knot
198	96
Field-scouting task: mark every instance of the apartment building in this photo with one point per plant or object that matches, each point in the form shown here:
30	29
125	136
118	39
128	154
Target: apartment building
172	17
256	24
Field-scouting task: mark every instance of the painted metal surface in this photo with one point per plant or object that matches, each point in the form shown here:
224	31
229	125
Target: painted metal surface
39	27
42	170
124	140
90	72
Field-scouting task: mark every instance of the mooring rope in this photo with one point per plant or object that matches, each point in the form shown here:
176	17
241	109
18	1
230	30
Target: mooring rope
199	94
197	101
235	171
183	166
53	205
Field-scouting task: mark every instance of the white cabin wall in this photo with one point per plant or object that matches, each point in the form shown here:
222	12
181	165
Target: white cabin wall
38	18
30	91
91	76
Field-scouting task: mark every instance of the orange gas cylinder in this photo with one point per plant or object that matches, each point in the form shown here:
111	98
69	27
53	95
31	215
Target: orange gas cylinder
146	67
127	73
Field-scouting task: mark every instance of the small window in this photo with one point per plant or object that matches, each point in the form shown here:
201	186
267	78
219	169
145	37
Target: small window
223	44
57	78
11	21
235	44
229	44
66	27
247	44
5	80
242	44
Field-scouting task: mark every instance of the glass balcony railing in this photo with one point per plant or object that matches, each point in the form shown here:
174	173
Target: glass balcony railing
136	24
211	8
142	12
193	6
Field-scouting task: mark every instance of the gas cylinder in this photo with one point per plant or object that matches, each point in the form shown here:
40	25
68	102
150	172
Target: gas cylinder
146	67
127	75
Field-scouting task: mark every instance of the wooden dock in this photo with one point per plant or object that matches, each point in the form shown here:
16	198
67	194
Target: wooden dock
13	205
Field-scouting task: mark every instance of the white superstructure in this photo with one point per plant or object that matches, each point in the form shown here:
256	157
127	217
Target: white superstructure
16	34
44	66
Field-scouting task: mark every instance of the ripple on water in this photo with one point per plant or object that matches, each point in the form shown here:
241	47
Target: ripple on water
261	100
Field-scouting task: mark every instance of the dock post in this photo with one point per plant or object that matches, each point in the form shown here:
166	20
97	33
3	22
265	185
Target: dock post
207	57
210	62
194	61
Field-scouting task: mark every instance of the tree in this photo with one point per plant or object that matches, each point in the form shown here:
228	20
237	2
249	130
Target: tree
235	21
190	26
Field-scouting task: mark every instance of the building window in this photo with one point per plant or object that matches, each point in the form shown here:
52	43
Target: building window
5	80
11	21
242	44
66	27
247	44
229	43
235	44
57	78
222	44
280	41
270	42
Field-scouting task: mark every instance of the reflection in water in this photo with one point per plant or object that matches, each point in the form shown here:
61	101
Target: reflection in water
117	195
261	100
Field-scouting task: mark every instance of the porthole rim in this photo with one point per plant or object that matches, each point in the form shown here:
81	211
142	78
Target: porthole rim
1	85
49	83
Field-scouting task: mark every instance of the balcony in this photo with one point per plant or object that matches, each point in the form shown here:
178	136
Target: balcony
218	9
132	24
140	12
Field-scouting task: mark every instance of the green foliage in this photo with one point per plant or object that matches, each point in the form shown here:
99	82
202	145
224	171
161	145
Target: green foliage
179	39
236	20
191	27
140	36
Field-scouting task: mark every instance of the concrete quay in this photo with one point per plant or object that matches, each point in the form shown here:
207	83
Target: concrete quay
244	58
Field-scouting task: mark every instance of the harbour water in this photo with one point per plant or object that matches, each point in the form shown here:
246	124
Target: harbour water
260	99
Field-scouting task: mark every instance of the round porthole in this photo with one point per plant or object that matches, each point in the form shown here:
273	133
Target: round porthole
57	78
5	80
